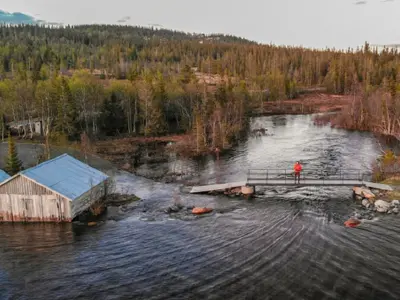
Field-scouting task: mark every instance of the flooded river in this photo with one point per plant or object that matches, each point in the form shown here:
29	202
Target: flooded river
287	243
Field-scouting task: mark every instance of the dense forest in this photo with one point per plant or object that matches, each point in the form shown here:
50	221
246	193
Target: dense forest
122	80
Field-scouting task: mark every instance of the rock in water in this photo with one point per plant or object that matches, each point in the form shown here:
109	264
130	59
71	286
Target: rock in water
395	203
174	208
352	223
357	191
382	206
366	193
247	190
395	210
365	203
201	210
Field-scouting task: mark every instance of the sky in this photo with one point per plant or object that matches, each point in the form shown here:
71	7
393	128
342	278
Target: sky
310	23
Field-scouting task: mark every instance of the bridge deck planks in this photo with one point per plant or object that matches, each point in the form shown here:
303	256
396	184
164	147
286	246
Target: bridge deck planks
261	181
305	182
216	187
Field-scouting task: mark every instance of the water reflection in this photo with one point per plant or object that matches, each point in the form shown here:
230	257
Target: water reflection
288	243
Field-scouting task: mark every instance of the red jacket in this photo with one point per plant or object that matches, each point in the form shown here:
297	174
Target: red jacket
298	168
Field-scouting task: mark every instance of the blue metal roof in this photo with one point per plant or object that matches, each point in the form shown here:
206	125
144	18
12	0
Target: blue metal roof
3	176
66	176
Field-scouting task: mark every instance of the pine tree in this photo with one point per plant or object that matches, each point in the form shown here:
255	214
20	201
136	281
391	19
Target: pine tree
13	164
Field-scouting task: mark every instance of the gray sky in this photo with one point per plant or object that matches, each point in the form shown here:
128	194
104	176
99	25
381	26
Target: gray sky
311	23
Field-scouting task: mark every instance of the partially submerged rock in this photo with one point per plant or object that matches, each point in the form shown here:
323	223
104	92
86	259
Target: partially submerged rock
366	193
363	215
365	203
247	190
174	208
359	198
363	192
352	222
382	206
201	210
357	190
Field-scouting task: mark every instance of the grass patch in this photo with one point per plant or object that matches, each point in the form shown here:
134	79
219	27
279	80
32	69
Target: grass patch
120	199
392	181
394	195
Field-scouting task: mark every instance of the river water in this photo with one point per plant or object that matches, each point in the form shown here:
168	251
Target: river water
287	243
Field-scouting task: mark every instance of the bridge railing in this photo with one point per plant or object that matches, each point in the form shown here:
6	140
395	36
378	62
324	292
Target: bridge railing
307	174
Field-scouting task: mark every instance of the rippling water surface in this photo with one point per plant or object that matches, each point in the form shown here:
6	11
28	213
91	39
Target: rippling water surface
288	243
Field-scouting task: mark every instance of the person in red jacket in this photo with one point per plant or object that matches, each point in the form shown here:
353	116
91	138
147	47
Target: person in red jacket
297	169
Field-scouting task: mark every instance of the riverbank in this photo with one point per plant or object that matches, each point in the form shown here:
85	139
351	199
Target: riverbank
129	152
373	203
305	104
375	112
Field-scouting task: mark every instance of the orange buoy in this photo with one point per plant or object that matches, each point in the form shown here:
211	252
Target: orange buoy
201	210
352	223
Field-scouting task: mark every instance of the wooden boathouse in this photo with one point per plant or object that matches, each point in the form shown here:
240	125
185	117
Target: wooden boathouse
57	190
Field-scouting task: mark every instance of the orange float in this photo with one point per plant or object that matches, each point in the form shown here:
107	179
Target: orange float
201	210
352	223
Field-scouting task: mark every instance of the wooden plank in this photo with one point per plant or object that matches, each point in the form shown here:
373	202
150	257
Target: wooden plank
378	186
216	187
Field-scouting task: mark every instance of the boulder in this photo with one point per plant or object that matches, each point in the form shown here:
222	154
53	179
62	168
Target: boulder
174	208
382	206
247	190
366	193
201	210
395	203
359	198
357	190
395	210
352	223
365	203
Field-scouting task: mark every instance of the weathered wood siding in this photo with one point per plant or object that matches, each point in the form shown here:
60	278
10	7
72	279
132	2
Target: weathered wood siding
85	201
34	208
22	186
22	200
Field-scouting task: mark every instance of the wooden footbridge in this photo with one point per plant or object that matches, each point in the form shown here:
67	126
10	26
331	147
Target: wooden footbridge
277	177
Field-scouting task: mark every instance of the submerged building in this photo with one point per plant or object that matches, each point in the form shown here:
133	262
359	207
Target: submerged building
57	190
